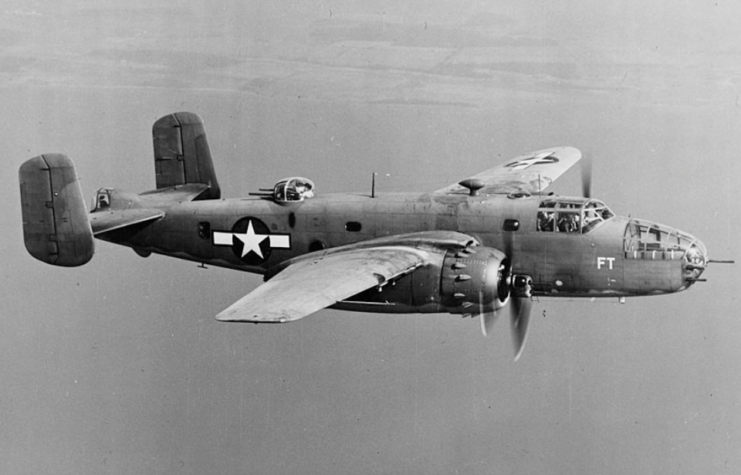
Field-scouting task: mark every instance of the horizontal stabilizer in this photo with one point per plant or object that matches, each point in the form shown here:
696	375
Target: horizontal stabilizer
182	193
105	221
56	229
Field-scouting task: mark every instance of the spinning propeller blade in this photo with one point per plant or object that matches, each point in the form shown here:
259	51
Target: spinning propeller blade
487	322
586	176
487	318
519	305
520	318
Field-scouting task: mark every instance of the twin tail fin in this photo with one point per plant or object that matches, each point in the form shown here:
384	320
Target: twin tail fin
182	155
56	229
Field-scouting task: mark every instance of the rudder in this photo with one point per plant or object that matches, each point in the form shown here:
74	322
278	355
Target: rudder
182	154
56	229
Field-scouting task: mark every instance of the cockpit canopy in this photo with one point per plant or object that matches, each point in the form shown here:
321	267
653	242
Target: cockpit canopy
571	215
293	189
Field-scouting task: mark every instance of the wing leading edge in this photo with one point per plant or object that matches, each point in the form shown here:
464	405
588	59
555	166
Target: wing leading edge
529	173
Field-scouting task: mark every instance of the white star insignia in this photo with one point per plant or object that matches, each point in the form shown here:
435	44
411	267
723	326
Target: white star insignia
251	241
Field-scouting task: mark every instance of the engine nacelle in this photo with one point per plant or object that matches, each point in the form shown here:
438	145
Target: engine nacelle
461	281
474	280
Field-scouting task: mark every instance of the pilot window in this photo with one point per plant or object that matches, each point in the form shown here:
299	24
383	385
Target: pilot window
571	215
595	213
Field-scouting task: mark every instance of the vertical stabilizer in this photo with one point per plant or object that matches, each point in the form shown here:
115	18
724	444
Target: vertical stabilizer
56	229
182	155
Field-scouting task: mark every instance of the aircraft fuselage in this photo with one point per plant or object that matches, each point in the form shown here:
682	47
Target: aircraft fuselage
255	234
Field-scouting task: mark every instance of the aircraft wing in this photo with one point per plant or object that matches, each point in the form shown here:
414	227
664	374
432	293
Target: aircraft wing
531	173
318	281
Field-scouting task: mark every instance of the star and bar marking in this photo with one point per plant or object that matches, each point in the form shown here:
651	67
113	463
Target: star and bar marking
540	159
250	244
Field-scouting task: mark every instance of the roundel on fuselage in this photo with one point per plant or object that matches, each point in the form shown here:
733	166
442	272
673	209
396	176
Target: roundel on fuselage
251	240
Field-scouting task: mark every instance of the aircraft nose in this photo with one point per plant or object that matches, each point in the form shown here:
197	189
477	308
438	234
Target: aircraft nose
649	240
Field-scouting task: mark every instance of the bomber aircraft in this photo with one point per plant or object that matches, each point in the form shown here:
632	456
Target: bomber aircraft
491	241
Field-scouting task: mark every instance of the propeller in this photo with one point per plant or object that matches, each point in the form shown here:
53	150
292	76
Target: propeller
487	318
520	317
586	175
519	305
519	302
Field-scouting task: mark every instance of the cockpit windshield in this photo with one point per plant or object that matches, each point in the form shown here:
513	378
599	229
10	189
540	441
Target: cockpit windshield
571	215
293	189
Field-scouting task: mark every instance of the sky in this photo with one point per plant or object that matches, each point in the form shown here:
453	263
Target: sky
119	367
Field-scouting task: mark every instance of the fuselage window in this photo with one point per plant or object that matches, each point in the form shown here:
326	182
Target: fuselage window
353	226
511	225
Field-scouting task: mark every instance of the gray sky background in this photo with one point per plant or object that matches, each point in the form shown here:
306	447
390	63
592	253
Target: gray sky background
118	367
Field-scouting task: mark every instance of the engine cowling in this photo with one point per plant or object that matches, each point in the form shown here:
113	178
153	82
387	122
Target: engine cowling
469	281
474	280
464	281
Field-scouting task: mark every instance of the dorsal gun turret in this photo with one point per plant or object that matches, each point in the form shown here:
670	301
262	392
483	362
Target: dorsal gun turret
288	190
293	189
